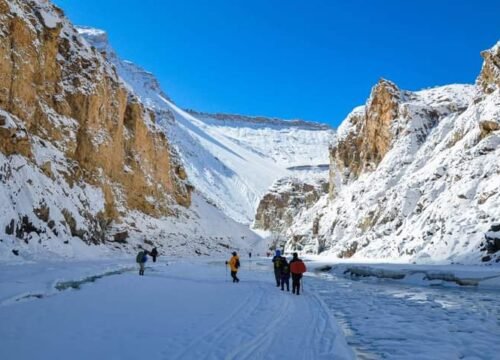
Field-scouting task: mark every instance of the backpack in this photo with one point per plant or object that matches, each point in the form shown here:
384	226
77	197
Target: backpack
138	258
297	267
237	263
278	263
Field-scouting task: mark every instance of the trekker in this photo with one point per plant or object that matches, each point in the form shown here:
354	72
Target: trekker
141	259
234	264
277	261
154	254
285	275
249	255
297	268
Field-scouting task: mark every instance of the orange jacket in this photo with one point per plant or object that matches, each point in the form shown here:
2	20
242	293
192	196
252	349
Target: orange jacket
232	263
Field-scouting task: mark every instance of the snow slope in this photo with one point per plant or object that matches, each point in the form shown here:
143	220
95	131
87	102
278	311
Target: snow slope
185	310
231	159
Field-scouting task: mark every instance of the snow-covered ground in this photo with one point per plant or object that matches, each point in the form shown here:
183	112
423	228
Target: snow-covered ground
185	309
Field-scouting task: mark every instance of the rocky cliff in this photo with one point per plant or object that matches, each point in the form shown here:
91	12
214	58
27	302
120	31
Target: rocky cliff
285	200
413	175
371	135
69	122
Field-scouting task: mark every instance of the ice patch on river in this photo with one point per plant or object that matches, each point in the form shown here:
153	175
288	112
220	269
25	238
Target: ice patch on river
393	312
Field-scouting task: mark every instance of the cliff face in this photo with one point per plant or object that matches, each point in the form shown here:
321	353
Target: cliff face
489	78
371	133
413	176
58	93
286	198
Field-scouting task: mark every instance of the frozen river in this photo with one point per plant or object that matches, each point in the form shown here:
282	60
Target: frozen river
387	319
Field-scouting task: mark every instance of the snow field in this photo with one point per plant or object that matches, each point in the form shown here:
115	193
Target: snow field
184	310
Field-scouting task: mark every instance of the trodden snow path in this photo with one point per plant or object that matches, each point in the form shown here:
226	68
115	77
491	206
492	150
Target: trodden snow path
183	310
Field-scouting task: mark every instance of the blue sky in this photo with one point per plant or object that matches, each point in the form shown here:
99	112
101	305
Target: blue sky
313	59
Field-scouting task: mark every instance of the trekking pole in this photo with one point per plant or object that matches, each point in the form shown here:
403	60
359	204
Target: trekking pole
225	265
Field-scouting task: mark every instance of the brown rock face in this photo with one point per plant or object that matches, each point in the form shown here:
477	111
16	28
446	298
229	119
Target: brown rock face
489	78
364	146
62	91
14	137
286	199
488	127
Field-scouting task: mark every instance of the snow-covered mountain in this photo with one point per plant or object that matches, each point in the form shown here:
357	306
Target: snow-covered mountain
414	176
84	168
94	152
231	159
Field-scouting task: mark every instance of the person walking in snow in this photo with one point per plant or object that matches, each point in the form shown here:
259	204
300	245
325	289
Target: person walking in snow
297	268
234	264
277	263
141	259
285	275
154	254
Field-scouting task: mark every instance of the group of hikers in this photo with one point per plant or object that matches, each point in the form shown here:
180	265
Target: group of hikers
282	270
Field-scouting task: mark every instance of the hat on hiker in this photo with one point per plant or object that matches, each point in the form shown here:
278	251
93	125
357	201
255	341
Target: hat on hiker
234	253
278	252
295	255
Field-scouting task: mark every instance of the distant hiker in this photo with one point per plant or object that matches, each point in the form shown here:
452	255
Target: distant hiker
285	275
297	268
141	259
277	262
154	254
234	264
249	255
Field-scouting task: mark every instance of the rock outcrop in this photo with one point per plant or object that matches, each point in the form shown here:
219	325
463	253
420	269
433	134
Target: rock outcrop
489	78
286	198
363	146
